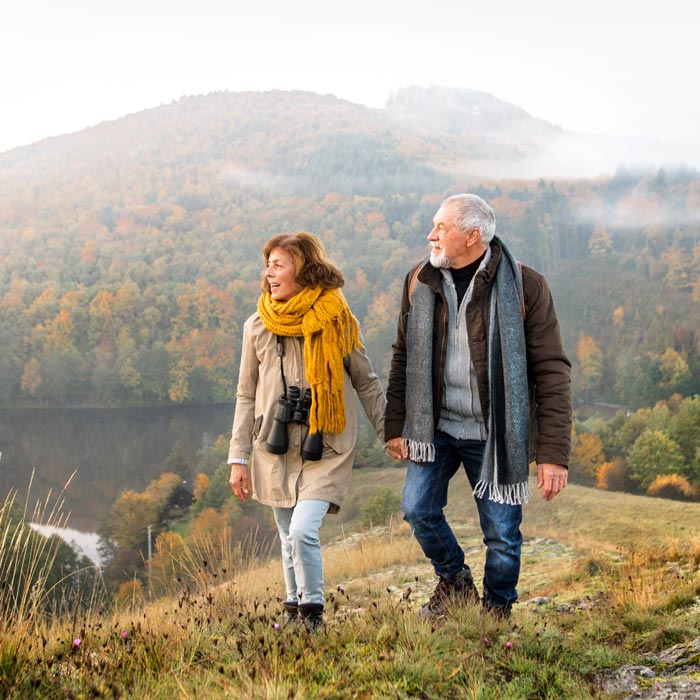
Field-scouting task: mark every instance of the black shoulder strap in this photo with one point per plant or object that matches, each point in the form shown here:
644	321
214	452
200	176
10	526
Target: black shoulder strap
280	353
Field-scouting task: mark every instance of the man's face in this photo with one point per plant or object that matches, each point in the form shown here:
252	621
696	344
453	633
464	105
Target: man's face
449	246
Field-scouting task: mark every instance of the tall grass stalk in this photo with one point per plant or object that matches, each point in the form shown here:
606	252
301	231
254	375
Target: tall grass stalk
203	563
26	558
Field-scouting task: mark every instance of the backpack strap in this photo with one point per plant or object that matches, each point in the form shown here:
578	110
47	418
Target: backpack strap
412	282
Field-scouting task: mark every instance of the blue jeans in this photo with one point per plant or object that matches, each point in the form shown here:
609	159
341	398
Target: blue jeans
425	497
302	562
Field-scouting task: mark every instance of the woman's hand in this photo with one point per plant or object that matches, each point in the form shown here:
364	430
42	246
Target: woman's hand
239	481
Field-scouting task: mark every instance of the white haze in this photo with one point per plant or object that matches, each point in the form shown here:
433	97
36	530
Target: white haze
623	68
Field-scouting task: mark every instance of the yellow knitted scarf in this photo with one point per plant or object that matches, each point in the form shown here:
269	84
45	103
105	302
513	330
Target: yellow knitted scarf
330	331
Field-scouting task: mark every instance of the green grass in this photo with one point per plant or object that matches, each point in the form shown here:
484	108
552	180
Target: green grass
620	573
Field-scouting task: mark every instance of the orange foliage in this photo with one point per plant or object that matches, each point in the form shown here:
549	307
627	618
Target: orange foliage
209	525
615	475
130	595
586	453
200	486
671	486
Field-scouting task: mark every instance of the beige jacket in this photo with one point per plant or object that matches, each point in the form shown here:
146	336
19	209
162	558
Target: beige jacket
281	480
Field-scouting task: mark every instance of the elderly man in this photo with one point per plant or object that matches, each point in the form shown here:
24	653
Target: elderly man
478	378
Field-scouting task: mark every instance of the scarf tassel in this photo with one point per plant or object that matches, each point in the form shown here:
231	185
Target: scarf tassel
509	494
329	414
420	452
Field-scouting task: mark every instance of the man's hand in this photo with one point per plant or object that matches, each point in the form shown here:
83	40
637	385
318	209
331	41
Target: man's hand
552	478
396	448
239	481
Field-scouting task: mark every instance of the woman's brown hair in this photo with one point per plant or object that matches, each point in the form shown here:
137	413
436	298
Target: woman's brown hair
312	268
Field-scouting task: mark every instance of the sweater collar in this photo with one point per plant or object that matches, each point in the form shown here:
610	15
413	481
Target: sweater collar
432	276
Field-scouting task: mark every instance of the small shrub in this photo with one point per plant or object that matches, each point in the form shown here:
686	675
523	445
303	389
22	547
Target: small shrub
666	635
378	509
671	486
615	476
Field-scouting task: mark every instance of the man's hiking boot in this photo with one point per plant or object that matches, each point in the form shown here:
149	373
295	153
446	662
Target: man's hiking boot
499	612
448	592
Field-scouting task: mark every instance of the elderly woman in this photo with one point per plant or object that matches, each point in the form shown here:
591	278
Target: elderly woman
295	425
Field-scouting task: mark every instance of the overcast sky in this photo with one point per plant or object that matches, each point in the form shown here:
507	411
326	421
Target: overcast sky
602	66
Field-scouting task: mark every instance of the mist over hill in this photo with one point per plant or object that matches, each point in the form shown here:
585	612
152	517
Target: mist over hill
493	138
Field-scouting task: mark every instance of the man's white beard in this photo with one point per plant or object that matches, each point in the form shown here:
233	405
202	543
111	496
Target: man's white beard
439	259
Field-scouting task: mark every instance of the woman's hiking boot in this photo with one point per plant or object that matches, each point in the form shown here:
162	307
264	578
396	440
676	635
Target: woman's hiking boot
291	612
312	616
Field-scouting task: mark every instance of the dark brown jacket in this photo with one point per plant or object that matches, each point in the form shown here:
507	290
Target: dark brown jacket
549	369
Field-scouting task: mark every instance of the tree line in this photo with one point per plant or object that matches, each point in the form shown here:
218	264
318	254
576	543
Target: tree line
653	450
143	304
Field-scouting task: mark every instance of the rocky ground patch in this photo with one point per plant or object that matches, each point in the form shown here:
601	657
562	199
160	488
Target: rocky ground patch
674	674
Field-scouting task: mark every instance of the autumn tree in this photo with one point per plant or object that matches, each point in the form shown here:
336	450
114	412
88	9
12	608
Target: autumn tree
674	371
201	345
600	242
166	563
31	377
590	364
653	454
685	431
124	535
200	486
586	453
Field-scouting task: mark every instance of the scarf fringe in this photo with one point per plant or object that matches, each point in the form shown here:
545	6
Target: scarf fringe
419	452
509	494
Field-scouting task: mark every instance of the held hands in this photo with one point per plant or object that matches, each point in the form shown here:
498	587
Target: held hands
396	448
552	478
238	481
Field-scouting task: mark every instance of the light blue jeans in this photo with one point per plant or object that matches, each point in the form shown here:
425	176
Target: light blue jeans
302	562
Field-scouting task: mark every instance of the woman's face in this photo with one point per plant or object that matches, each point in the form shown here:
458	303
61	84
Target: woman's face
280	275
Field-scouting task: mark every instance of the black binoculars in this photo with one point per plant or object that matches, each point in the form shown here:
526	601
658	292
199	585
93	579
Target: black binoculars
293	407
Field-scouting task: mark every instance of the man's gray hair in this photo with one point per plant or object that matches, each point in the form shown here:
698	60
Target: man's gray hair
473	212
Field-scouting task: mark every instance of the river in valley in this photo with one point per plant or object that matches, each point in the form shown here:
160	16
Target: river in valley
110	450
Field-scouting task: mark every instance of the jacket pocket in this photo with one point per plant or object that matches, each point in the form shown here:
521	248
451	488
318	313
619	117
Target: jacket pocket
256	426
339	443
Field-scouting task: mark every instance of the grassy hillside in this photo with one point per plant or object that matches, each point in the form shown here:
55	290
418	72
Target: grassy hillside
608	579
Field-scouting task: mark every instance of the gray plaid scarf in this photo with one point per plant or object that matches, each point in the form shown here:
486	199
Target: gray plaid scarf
504	470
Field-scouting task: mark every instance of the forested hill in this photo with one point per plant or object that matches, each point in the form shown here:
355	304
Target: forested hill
296	142
130	252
